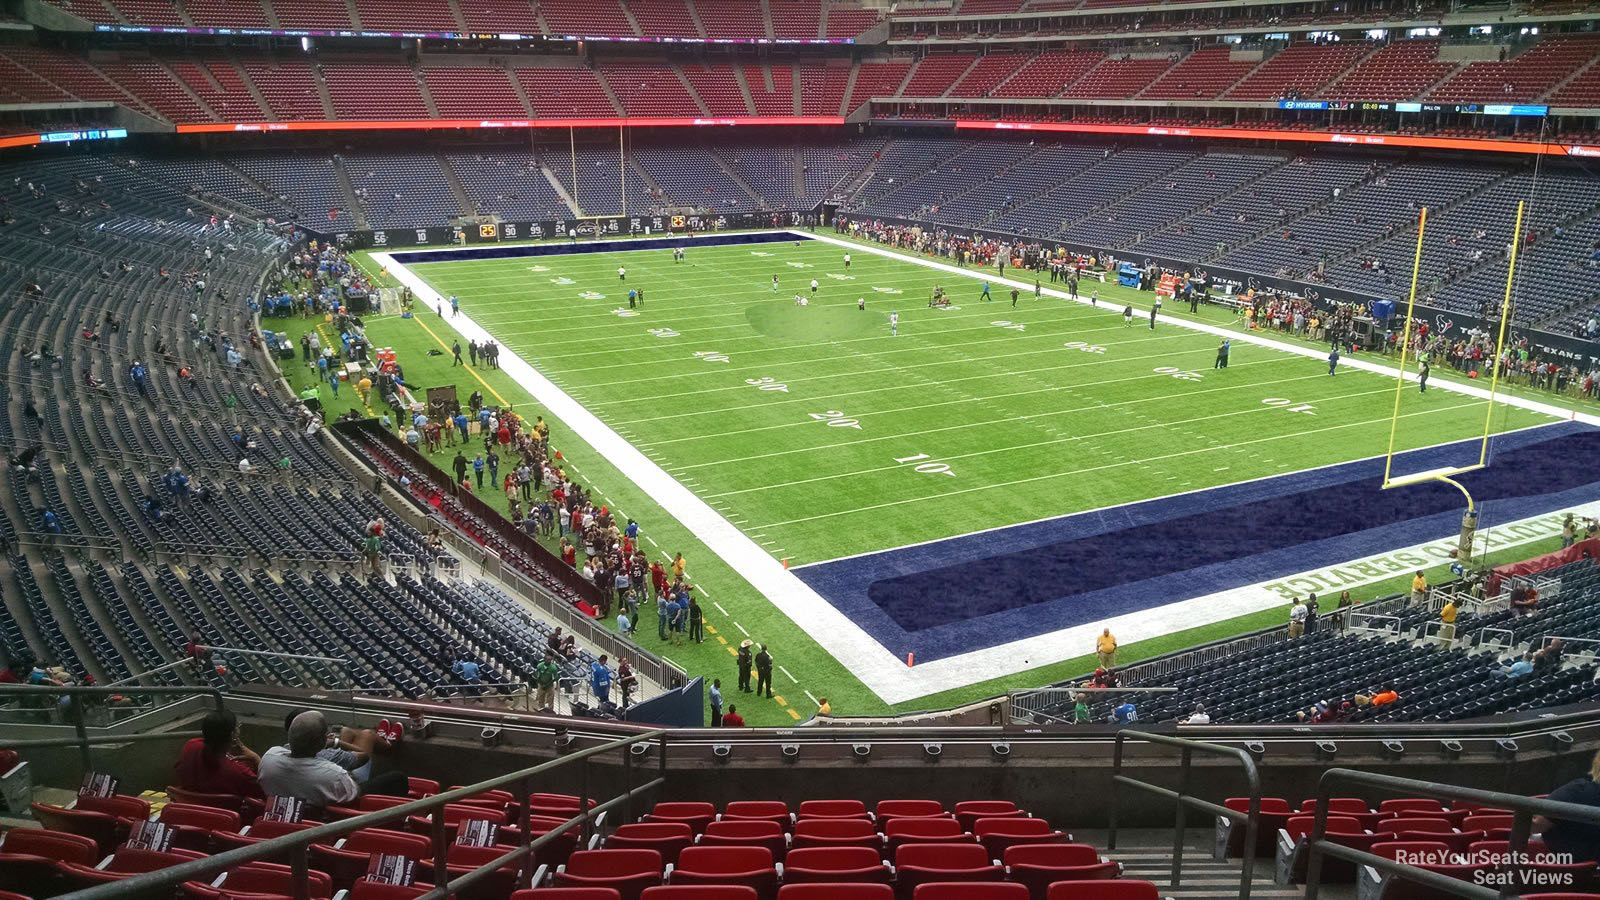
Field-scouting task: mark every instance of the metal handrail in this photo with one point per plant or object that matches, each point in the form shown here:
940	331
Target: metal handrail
1182	799
82	740
1523	810
297	844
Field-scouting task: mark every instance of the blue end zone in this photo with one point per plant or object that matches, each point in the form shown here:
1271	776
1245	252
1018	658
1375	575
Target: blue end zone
556	248
967	593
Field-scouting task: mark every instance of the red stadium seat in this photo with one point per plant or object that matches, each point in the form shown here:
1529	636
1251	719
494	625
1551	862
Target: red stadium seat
28	857
746	833
193	826
1411	806
1298	827
120	805
99	827
761	810
364	804
259	880
998	834
835	833
461	860
126	862
854	865
927	863
1040	865
260	830
666	838
1274	813
247	807
418	788
501	799
1354	807
694	814
833	809
367	890
898	832
1413	850
1120	889
700	892
968	812
454	815
988	890
1495	826
347	860
554	853
836	892
567	893
628	872
909	809
749	866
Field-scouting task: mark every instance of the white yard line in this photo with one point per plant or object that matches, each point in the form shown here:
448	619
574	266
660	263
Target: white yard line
792	679
880	670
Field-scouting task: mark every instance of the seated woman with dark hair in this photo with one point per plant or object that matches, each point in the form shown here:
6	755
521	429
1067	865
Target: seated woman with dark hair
217	762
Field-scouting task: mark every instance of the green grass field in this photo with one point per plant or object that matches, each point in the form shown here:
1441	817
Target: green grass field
822	435
1041	410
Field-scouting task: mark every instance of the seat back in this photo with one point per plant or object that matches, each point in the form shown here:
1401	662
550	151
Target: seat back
612	863
900	830
120	805
692	813
385	840
746	833
835	891
61	846
1408	823
909	809
232	802
699	892
997	834
1300	826
418	788
1051	855
835	833
134	861
1268	805
566	893
205	818
767	810
99	827
723	860
1119	889
749	866
273	878
988	890
832	809
829	860
1410	849
667	838
370	890
1410	805
940	856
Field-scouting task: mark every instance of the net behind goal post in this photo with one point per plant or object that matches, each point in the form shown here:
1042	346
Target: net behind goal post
1447	474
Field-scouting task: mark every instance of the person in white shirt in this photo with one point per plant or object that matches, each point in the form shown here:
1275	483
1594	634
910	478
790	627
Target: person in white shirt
1198	717
847	260
296	770
894	324
244	466
622	273
813	286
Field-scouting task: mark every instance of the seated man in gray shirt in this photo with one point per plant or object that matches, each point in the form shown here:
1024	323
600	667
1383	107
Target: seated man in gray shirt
348	748
298	769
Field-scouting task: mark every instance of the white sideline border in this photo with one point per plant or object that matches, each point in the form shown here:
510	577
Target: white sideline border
880	670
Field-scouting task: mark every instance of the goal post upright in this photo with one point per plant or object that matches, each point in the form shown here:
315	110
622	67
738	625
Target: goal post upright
1405	347
1500	339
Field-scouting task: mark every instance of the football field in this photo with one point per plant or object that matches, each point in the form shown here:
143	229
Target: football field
983	485
823	434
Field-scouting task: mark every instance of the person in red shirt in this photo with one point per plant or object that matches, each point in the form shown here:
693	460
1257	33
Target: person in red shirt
731	718
216	762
